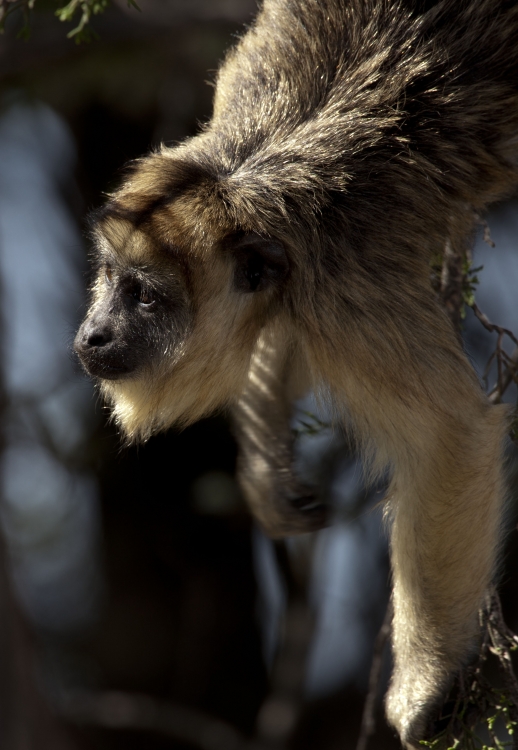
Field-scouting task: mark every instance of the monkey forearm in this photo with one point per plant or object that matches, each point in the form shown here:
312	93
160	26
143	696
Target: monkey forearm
262	419
423	414
444	541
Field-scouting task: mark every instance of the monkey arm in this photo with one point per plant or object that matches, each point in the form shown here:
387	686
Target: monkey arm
262	419
444	539
432	424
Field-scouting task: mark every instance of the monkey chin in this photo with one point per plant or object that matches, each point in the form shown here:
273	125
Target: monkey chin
153	401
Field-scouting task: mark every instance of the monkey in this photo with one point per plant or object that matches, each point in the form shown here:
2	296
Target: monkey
287	247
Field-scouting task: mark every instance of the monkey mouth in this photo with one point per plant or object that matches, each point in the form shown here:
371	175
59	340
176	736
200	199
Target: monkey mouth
108	372
105	370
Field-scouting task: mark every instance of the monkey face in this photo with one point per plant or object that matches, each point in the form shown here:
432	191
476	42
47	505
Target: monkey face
173	323
140	308
134	317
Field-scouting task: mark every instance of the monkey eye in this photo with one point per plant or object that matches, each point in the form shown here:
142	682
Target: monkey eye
143	295
108	273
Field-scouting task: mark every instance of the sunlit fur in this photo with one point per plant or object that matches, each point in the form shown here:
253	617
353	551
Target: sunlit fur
361	135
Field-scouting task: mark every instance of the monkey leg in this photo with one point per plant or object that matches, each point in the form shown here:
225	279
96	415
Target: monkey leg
281	504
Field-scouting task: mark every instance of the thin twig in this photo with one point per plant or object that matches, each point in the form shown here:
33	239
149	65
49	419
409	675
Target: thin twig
510	374
486	234
492	327
507	366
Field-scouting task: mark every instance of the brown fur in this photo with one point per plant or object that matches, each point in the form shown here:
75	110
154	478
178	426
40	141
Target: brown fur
358	135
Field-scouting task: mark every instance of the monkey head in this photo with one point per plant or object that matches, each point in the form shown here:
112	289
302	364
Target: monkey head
181	292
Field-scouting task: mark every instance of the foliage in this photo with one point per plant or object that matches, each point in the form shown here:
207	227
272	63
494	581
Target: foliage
479	714
75	10
498	707
470	282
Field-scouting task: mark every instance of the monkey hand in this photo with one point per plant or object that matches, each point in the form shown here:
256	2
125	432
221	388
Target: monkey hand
281	505
414	702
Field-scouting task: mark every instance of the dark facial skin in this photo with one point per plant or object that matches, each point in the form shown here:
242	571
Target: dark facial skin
134	317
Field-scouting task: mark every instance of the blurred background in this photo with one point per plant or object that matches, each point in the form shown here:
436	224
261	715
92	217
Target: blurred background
139	606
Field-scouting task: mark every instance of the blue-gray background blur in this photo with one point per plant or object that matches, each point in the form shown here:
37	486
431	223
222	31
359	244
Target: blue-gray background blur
137	572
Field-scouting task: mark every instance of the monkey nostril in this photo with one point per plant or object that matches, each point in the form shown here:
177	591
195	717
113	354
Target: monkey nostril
99	338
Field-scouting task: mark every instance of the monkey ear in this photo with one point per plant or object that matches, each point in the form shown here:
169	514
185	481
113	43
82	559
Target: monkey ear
260	262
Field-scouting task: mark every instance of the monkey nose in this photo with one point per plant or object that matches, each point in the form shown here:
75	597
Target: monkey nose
94	336
99	337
